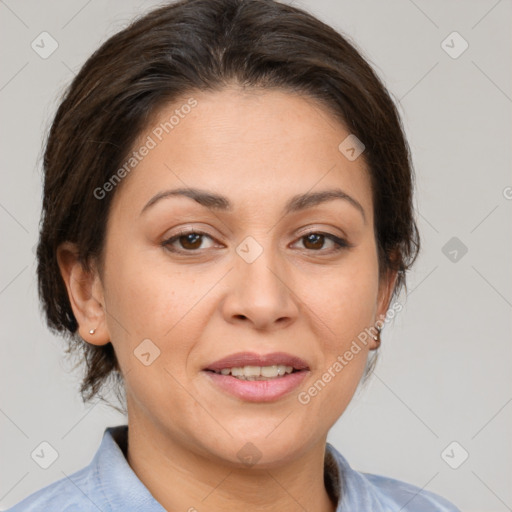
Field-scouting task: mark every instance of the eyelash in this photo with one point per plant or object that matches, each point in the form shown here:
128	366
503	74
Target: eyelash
340	242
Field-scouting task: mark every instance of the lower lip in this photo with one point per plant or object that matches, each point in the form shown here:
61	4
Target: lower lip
258	390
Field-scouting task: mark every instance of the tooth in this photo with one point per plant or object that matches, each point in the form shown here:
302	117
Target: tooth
257	372
252	371
269	371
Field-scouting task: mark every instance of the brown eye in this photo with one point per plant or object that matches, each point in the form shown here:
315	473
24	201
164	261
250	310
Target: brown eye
315	241
186	242
190	241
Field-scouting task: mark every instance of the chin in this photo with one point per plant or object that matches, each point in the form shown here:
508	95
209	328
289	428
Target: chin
262	450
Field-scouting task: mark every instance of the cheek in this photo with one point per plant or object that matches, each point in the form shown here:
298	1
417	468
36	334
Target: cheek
144	300
145	292
346	299
151	299
345	310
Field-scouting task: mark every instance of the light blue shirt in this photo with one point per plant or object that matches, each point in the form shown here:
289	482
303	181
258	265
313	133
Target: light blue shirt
109	484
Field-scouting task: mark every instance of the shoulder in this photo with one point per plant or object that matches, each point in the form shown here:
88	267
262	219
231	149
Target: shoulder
357	490
408	496
107	484
65	495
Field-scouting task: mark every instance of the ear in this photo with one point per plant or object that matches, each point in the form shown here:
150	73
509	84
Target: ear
85	292
386	286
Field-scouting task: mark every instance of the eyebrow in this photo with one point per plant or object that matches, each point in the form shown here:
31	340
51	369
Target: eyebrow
221	203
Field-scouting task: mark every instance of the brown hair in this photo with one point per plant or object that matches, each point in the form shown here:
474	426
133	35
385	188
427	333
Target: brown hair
205	45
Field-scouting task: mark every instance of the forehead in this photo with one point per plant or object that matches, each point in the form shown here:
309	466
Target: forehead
252	145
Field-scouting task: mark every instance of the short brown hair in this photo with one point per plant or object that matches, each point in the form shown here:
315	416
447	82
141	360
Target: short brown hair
203	45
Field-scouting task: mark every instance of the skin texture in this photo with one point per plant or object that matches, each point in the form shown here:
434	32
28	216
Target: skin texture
258	148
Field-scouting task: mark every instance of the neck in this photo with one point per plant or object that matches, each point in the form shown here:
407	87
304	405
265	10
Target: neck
182	479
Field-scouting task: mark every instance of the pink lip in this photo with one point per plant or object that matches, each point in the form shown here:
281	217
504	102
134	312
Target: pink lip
258	390
253	359
263	390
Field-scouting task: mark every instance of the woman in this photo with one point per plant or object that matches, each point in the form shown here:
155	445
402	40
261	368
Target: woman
227	217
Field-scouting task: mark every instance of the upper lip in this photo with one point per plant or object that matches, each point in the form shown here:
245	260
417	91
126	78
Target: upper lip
241	359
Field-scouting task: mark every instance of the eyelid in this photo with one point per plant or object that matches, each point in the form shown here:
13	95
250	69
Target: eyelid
322	230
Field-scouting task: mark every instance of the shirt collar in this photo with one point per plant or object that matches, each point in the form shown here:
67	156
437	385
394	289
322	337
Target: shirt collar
341	480
115	478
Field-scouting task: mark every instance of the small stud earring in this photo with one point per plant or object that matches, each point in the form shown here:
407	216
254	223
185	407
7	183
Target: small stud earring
92	331
377	338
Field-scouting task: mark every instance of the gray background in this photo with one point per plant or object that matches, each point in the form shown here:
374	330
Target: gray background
444	372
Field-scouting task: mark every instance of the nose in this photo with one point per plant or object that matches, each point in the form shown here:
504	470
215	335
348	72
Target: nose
260	293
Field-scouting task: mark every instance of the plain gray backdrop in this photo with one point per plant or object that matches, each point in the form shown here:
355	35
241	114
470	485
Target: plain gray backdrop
441	391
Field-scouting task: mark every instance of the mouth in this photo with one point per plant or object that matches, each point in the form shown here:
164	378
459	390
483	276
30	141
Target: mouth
257	378
258	373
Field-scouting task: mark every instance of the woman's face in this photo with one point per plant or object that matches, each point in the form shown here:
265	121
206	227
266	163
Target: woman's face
260	276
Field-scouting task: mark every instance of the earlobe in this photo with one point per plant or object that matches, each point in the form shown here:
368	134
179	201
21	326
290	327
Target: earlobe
85	294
